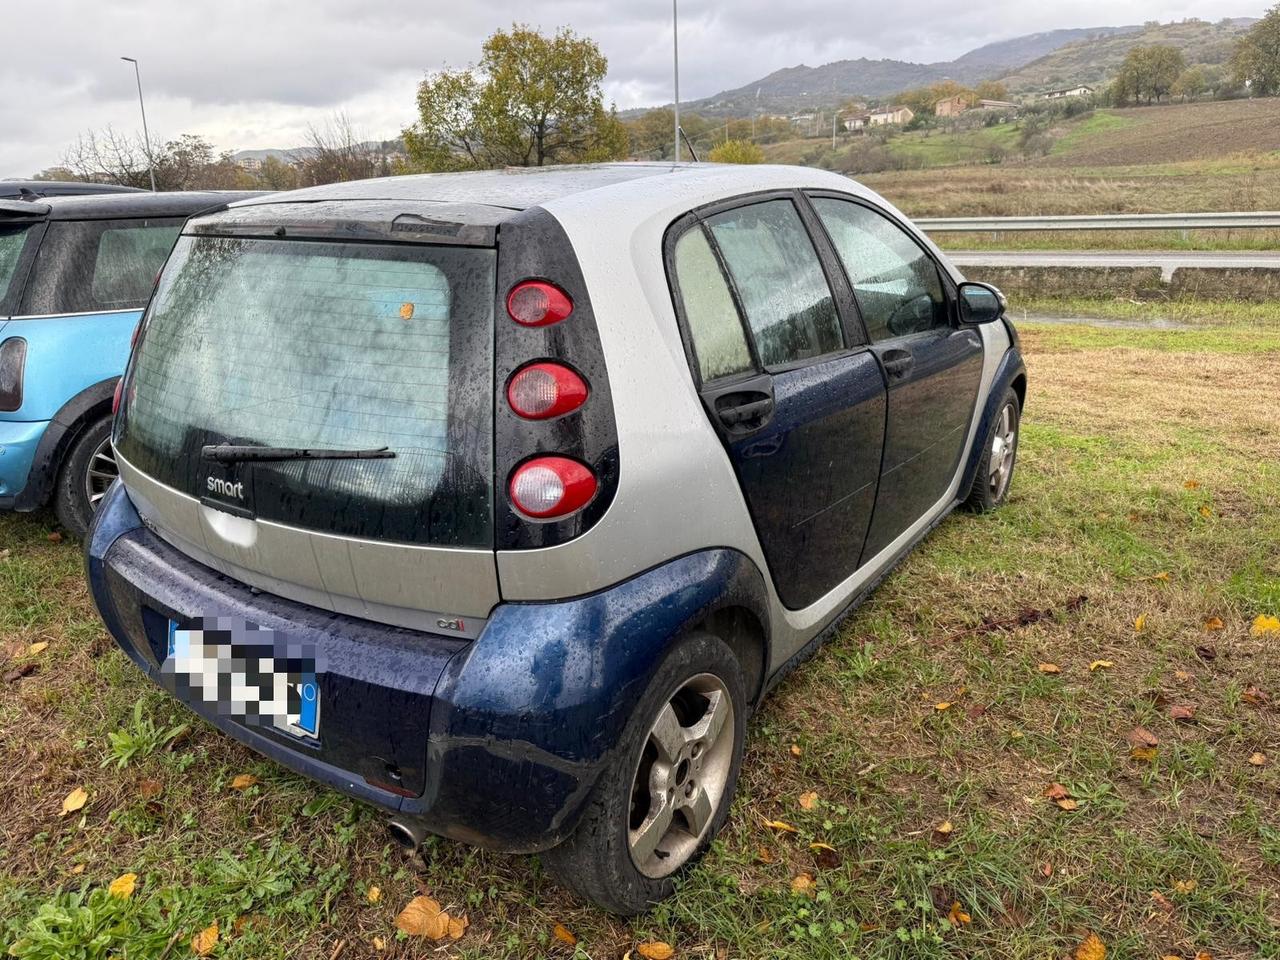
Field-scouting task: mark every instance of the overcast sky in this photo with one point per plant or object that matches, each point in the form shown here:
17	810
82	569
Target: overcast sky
255	74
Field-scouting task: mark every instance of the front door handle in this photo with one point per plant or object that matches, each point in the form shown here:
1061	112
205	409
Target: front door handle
897	363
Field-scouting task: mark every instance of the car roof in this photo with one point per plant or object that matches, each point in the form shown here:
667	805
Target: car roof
117	206
57	188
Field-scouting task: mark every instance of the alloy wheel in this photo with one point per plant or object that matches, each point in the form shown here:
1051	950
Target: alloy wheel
1004	449
682	775
101	473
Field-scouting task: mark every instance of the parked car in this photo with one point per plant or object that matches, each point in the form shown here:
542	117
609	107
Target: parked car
34	189
75	273
499	500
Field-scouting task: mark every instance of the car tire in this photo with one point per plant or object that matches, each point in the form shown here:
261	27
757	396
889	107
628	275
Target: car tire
994	476
621	857
86	473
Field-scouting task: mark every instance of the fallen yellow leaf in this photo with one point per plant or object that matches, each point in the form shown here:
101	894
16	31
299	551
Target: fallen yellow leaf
1192	484
655	950
1264	626
122	886
379	944
1203	955
1100	665
942	707
1140	624
204	941
1258	760
1091	948
564	934
795	750
765	855
1206	511
243	781
1162	576
958	916
423	918
1185	886
944	829
1050	668
808	800
374	894
780	825
40	647
457	927
78	869
1214	623
1144	754
1066	803
803	884
1182	676
73	801
818	847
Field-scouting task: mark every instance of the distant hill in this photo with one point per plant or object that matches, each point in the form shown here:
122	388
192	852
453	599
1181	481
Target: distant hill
798	88
1095	61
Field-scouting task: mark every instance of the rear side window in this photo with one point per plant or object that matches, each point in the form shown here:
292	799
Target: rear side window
897	285
283	343
714	325
91	265
780	282
13	241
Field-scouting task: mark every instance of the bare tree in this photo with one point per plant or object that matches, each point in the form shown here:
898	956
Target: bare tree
108	157
336	153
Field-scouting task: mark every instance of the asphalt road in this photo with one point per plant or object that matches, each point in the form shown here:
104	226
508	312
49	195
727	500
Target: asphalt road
1166	261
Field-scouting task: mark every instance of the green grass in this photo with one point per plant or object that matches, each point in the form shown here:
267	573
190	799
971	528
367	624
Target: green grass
1148	484
938	148
1081	132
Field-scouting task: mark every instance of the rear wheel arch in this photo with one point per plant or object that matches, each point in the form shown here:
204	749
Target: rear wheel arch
77	415
742	632
1020	388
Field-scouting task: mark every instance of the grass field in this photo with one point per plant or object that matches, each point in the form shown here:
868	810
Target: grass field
1119	589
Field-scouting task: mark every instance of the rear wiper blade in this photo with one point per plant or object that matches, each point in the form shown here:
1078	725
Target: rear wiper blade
232	453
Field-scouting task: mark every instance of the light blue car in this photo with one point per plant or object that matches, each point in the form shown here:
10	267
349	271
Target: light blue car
75	274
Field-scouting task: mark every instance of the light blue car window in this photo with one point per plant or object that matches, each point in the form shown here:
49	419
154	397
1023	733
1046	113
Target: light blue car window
128	260
12	240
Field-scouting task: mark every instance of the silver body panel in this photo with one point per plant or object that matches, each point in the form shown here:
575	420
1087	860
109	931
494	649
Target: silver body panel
677	493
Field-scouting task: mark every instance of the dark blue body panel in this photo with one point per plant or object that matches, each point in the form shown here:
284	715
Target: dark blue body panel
500	740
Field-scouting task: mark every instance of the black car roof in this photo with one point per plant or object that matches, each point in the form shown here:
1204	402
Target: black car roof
59	188
118	206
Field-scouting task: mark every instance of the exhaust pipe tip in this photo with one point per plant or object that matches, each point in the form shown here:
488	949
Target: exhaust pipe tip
409	834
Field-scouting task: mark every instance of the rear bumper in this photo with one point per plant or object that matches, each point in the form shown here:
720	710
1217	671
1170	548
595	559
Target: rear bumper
499	741
18	444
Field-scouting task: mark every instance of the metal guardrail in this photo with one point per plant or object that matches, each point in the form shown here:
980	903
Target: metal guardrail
1126	221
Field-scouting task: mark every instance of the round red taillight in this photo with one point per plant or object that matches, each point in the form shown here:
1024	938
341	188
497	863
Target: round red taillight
115	399
551	487
544	390
536	303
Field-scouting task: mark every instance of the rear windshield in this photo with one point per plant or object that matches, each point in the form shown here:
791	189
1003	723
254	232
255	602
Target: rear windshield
12	242
290	343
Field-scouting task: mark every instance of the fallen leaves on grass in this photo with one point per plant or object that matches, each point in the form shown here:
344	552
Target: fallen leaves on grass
150	789
1207	653
1142	737
1059	795
1144	754
564	935
1255	696
826	857
957	916
122	887
1182	711
1049	668
38	648
73	801
1264	626
943	830
1100	665
780	825
1140	624
803	884
422	917
54	537
1091	948
942	707
243	781
374	894
1192	485
656	950
202	943
1214	624
1182	676
20	671
1258	760
808	800
1185	886
1206	511
1161	901
764	855
795	750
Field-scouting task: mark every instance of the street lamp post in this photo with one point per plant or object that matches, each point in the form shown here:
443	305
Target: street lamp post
675	47
146	137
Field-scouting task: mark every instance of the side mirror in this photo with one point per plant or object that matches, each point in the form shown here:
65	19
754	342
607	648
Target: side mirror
981	303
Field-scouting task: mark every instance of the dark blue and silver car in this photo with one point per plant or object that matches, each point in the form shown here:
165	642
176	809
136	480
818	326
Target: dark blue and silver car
500	500
75	273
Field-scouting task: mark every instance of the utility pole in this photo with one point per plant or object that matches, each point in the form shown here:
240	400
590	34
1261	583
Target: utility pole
675	47
146	137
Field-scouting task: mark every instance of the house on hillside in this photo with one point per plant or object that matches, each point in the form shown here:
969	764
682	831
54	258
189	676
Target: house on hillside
997	105
890	116
951	106
1080	91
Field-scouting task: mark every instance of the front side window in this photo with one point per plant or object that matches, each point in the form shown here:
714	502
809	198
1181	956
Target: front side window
342	346
779	280
714	325
897	285
90	265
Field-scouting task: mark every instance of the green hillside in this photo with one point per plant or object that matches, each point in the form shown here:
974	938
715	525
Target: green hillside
1095	61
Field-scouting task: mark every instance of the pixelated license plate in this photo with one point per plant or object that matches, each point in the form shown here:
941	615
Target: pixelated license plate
249	673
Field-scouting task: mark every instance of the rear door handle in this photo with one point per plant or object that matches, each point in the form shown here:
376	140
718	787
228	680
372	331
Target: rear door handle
897	363
744	411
